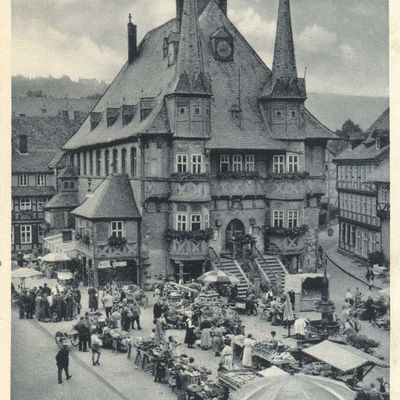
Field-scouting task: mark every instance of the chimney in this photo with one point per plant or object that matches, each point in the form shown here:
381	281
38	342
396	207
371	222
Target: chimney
132	40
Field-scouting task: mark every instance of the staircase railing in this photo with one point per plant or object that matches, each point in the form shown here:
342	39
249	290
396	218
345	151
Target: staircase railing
213	256
276	251
258	254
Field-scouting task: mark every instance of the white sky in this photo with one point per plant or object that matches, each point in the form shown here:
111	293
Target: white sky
343	43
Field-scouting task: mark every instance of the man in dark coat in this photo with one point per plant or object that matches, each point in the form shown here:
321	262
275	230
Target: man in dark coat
157	310
30	305
62	360
46	290
22	301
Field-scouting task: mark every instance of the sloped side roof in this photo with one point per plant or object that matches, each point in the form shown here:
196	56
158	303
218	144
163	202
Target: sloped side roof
382	123
252	133
27	191
45	137
63	200
113	199
381	173
362	152
147	76
367	150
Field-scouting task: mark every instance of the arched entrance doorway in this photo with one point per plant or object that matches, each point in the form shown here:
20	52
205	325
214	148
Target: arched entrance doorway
234	228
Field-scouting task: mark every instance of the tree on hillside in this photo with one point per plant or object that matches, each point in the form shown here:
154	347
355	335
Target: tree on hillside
349	128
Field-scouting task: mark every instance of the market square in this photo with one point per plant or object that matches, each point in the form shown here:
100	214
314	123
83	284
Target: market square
195	231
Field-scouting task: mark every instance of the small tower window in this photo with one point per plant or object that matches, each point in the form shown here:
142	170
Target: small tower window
378	143
278	114
236	112
182	110
197	111
294	114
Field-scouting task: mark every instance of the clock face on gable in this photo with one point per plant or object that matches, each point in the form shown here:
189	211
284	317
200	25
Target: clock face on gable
224	49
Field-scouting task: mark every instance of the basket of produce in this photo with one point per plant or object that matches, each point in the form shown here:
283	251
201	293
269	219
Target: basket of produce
317	369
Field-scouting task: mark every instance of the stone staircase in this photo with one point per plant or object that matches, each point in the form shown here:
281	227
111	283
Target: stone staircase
270	267
232	266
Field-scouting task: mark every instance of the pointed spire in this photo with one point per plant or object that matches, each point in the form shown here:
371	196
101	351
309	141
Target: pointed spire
189	66
284	58
189	51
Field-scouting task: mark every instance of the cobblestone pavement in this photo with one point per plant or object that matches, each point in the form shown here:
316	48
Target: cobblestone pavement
121	374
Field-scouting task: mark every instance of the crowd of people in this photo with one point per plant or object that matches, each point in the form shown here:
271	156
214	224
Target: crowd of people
45	304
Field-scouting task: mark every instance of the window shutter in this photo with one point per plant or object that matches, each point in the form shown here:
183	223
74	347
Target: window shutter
17	234
35	236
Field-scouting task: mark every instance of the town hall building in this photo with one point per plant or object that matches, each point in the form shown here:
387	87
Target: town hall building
196	150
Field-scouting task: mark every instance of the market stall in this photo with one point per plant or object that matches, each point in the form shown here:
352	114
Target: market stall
346	361
307	289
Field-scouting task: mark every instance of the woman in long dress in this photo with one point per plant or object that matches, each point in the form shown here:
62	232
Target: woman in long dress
217	343
227	356
190	338
247	352
159	334
205	341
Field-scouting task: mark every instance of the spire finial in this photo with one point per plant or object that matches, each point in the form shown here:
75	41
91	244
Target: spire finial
130	18
284	57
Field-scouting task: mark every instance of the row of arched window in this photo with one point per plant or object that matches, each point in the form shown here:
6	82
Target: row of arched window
104	162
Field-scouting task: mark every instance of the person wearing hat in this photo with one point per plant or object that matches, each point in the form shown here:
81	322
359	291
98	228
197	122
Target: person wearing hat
62	361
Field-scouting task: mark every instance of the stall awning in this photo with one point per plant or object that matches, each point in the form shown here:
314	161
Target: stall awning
342	357
295	282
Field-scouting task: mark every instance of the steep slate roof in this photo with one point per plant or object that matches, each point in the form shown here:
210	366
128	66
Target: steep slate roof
63	200
113	199
381	173
29	191
195	70
147	76
367	150
225	133
382	123
45	137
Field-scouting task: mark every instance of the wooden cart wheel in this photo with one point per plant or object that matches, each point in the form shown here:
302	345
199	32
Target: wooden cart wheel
74	339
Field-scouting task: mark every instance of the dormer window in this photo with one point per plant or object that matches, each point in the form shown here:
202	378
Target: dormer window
236	112
128	112
112	116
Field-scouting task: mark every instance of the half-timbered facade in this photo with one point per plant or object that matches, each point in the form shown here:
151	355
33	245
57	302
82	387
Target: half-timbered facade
359	219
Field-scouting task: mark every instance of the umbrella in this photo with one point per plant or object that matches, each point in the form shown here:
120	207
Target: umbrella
56	257
219	277
23	273
288	316
299	387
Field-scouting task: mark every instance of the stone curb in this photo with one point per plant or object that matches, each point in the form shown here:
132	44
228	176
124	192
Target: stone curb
329	257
